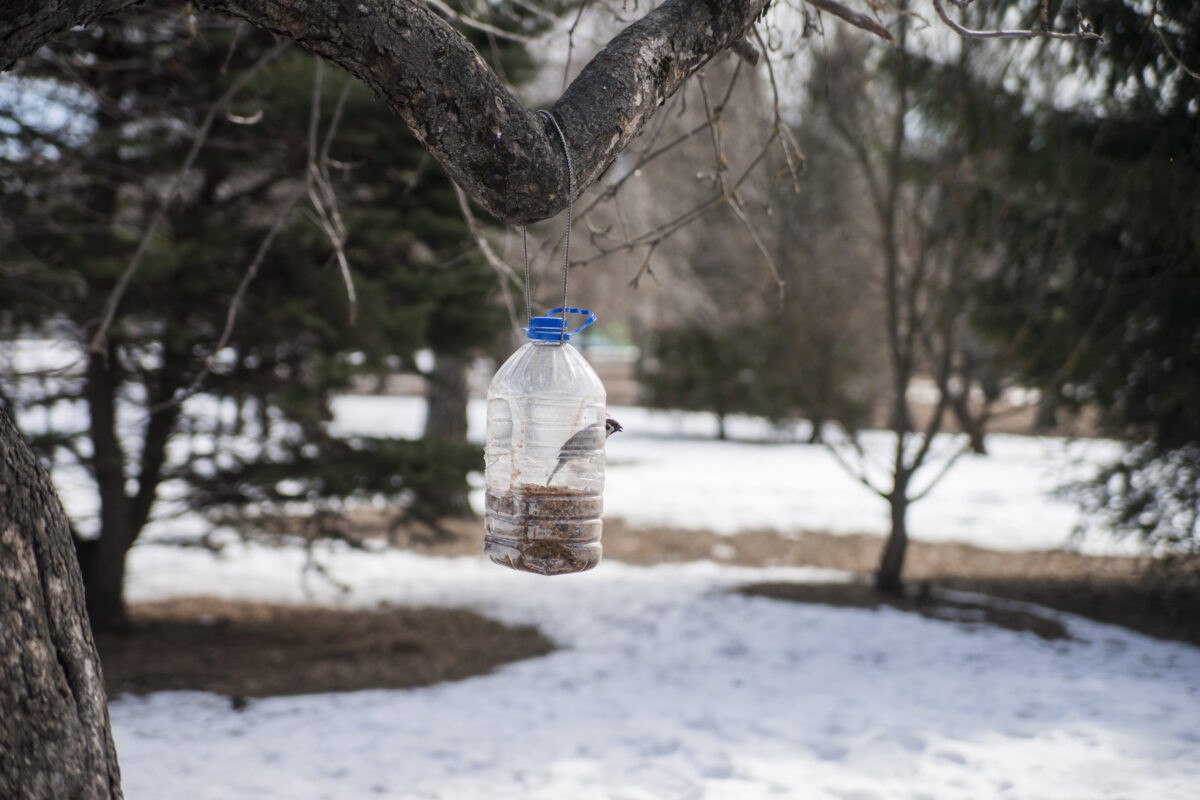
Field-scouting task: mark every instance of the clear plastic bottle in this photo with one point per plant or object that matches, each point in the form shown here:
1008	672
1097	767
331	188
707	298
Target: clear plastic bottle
544	454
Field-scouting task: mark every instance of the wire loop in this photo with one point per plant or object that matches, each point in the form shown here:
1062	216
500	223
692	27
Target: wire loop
566	235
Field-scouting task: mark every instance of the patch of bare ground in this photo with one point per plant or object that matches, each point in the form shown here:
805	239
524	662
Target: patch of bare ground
929	604
1152	596
246	650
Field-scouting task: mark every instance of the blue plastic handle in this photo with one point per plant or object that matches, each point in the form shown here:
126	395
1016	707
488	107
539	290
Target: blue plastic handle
590	317
553	326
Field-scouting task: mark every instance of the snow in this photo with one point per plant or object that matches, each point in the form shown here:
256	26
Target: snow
666	684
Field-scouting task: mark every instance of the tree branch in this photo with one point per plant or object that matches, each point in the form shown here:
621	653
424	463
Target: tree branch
501	153
25	25
1162	38
1024	33
855	18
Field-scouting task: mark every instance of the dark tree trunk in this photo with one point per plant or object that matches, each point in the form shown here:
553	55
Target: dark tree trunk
103	561
974	425
1046	418
446	419
55	739
888	578
122	517
447	399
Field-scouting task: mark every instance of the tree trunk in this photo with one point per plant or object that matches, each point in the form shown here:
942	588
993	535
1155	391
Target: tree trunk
122	517
447	399
103	561
974	425
55	738
888	577
1046	418
446	419
816	433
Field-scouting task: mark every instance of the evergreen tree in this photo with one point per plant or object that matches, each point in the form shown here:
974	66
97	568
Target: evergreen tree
136	96
1097	209
699	367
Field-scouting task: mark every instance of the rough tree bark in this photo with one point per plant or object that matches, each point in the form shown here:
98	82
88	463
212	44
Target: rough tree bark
55	740
502	154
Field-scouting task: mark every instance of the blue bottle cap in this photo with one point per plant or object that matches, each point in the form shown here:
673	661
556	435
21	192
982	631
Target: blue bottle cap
554	329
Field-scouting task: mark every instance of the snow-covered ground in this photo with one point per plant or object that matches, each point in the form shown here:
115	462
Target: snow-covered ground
667	685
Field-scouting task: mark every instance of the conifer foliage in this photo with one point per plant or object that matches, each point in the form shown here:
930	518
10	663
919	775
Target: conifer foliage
262	165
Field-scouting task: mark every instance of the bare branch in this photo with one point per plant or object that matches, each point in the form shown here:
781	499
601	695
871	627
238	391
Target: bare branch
320	188
661	232
958	453
787	141
855	18
859	472
1162	38
471	22
1026	33
235	306
506	273
503	154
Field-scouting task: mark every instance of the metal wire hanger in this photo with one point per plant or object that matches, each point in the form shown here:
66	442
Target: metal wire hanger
566	236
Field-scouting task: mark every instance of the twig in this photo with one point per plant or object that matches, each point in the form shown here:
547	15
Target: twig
234	306
860	473
855	18
1025	33
664	230
959	452
477	24
97	344
320	188
505	272
645	268
787	141
1162	38
571	43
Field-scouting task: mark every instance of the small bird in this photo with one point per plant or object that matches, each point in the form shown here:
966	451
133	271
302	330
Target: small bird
1085	24
581	443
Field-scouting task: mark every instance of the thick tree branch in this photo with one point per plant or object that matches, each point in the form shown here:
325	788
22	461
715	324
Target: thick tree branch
502	154
26	25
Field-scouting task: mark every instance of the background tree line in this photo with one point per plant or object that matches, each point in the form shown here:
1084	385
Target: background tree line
973	219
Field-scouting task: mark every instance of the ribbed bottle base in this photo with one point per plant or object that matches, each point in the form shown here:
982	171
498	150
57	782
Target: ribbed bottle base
542	529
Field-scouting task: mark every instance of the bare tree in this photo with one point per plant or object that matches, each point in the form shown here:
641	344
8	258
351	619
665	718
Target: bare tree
924	268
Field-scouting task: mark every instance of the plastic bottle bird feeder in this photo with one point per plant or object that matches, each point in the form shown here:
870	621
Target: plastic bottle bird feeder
544	454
